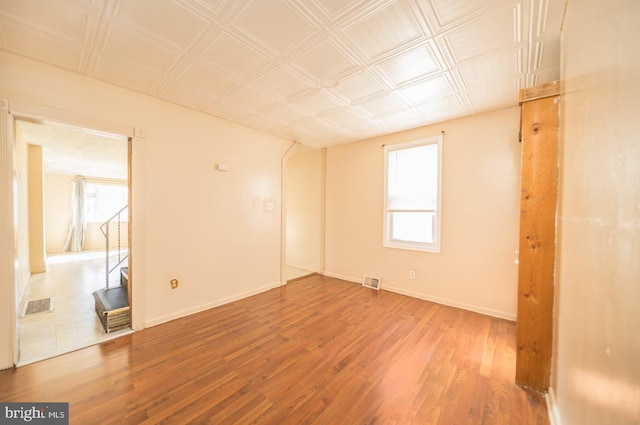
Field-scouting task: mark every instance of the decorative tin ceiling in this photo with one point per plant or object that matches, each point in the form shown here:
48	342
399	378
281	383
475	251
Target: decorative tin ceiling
322	72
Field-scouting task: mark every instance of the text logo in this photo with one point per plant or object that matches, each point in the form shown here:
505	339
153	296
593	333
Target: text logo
34	413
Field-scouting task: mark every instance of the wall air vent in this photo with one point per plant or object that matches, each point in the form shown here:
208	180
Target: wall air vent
371	282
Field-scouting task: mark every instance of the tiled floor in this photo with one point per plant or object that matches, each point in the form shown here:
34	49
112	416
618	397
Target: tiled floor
71	280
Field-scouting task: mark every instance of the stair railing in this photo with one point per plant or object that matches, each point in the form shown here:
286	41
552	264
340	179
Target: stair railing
104	228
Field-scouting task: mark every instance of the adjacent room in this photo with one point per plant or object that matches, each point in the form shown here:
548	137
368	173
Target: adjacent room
76	196
332	212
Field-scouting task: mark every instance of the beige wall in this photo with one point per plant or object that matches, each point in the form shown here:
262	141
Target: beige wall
35	183
596	373
305	209
475	268
191	222
57	210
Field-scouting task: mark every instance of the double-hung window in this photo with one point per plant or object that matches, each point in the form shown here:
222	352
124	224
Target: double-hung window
413	173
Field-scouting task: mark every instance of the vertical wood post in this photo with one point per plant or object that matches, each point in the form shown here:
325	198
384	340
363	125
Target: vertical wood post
540	123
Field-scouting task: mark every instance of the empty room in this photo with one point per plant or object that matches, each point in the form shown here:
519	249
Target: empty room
336	212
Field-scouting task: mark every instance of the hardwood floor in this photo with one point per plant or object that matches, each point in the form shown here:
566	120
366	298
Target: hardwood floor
317	351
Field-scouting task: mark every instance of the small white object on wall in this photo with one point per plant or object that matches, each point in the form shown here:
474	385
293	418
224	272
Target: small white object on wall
222	167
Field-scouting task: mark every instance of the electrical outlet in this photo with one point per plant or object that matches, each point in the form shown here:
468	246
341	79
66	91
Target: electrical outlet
173	283
412	274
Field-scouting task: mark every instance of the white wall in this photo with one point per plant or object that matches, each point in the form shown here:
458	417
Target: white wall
596	369
480	215
193	223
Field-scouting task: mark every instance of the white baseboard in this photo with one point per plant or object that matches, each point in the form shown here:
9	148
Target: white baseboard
207	306
552	407
451	303
342	277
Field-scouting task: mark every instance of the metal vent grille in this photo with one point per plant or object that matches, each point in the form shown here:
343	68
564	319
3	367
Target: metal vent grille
371	282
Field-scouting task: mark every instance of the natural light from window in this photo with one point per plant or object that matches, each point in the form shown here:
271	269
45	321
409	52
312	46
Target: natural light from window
412	195
102	201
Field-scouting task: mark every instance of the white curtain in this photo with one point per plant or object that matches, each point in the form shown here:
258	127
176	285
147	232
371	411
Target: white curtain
75	235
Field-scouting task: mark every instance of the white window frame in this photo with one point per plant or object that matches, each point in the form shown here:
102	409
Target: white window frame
414	245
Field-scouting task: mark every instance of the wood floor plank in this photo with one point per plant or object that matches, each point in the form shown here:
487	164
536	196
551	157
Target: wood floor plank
317	351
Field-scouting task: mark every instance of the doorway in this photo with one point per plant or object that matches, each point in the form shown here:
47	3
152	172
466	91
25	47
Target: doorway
62	233
304	212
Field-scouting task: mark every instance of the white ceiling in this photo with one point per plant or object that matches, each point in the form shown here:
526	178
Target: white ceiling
270	64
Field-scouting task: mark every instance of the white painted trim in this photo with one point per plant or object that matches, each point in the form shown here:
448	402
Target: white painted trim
444	301
552	407
453	303
207	306
343	277
138	233
98	125
8	311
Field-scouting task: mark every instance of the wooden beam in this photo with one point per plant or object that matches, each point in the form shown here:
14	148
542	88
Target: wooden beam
539	185
539	92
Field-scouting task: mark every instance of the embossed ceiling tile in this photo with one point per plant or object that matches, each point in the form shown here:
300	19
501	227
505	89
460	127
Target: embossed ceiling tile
234	57
39	46
448	11
425	90
283	113
314	125
164	19
226	110
496	95
323	61
385	30
356	87
250	100
443	107
123	75
401	119
216	6
139	52
182	95
335	8
496	31
283	84
498	67
275	24
317	102
343	117
214	84
261	122
379	105
48	16
411	64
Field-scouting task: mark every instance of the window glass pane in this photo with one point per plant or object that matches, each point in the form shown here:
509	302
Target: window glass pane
412	178
412	227
102	201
